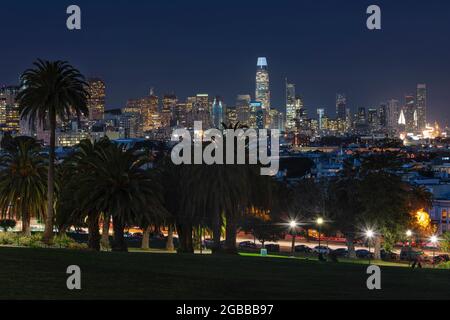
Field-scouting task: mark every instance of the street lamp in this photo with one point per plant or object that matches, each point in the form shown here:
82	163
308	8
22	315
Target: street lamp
319	223
434	240
409	234
293	224
369	236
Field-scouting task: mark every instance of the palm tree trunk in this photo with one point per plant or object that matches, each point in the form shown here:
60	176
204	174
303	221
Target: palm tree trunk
169	244
217	234
351	246
185	238
26	224
105	231
94	232
377	252
48	232
146	238
119	243
231	233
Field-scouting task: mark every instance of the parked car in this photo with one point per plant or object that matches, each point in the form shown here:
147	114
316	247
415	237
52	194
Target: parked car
341	252
248	245
364	254
385	255
303	249
322	250
410	254
441	258
209	243
272	247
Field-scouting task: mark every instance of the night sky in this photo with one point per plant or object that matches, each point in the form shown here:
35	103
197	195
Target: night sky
196	46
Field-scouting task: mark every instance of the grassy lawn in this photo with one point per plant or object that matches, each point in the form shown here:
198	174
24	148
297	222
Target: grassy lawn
40	274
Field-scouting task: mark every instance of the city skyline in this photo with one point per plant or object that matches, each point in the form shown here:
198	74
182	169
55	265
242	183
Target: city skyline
185	58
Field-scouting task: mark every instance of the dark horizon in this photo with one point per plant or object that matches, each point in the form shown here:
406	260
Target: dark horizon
202	47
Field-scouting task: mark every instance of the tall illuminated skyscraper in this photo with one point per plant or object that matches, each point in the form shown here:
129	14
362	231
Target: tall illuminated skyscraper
421	106
291	111
243	108
9	110
96	101
321	115
151	116
217	113
410	113
263	88
341	106
393	114
169	104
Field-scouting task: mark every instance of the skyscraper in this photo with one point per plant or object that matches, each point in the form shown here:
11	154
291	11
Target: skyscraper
421	106
217	113
9	109
291	112
151	117
168	109
372	119
201	110
382	115
263	88
243	108
96	101
321	115
393	114
341	106
410	113
258	114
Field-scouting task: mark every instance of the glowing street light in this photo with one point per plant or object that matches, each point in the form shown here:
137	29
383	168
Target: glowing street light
409	234
320	222
434	240
369	235
293	224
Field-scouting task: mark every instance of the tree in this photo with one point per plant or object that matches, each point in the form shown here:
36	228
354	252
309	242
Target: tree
346	209
117	185
22	180
68	210
51	90
264	227
445	242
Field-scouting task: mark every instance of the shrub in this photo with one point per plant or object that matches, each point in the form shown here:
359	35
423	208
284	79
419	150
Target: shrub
64	241
445	243
33	241
7	239
444	265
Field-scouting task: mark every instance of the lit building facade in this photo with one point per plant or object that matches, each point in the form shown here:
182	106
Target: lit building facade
421	105
97	99
291	107
262	93
341	106
243	108
9	110
217	113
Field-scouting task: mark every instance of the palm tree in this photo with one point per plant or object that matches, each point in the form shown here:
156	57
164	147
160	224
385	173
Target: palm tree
51	90
68	210
22	179
117	185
